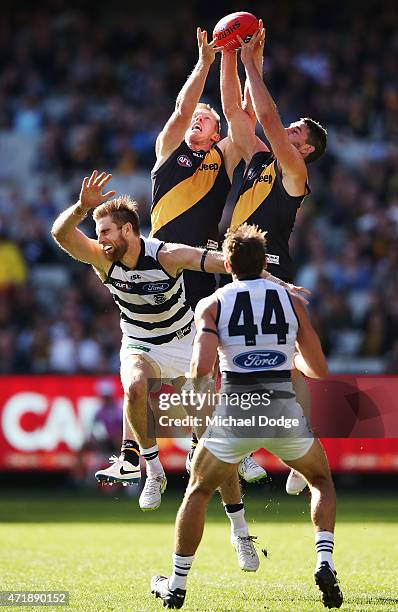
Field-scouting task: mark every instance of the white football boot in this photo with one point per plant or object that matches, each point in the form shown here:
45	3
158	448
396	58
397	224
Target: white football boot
250	471
120	471
248	560
151	496
295	483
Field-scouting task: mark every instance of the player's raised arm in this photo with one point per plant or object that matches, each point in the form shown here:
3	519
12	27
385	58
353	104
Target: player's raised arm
289	157
173	132
258	56
65	231
206	340
310	360
241	128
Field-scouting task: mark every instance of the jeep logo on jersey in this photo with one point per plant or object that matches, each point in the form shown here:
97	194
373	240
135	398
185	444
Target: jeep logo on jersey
184	161
213	166
260	360
155	287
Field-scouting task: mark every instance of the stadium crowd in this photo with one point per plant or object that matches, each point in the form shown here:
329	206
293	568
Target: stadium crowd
79	94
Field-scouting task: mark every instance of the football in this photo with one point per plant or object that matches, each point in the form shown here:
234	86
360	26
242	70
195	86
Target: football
226	30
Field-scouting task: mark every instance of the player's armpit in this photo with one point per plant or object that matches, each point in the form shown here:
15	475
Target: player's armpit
232	155
172	134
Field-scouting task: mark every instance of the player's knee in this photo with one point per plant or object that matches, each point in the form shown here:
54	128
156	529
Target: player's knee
323	482
137	390
199	489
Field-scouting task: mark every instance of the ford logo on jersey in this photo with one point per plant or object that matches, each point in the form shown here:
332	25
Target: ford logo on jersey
155	287
259	360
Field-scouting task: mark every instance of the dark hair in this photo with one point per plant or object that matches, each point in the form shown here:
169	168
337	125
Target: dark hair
317	136
244	249
121	210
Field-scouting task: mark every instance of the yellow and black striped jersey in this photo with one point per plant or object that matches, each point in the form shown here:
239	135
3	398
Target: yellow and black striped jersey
264	201
189	191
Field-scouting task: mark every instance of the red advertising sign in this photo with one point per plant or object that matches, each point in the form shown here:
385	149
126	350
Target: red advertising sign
44	421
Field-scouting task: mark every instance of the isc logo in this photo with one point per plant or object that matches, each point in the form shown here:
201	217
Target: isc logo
260	360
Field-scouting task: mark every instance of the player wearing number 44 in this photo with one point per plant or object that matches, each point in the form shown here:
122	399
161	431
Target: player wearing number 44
275	181
248	311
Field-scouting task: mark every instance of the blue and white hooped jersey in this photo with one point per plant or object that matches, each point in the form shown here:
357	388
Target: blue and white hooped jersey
257	327
151	302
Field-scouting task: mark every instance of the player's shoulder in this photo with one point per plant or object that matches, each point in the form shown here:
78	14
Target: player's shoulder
207	305
222	291
164	160
151	246
261	154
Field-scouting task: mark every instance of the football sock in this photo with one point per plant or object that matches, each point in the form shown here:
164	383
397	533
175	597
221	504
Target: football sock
194	440
130	452
324	544
181	567
236	514
153	465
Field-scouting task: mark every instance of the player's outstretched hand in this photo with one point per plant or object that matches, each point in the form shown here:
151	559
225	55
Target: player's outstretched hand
299	292
91	192
258	50
207	50
254	45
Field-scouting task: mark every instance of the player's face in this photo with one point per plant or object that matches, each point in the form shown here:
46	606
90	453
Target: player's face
297	133
110	239
203	126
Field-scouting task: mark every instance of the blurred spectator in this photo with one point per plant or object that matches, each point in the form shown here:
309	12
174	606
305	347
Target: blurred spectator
107	426
13	269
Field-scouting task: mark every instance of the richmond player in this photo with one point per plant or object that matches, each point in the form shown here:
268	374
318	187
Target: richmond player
275	180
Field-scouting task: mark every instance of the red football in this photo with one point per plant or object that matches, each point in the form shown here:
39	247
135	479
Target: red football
244	24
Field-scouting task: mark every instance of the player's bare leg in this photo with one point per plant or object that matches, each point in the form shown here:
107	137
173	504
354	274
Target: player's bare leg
207	474
315	468
137	375
295	482
231	496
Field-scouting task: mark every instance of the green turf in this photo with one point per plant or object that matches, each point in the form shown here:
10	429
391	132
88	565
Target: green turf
104	551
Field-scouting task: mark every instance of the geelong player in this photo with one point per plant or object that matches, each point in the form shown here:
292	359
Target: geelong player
275	181
253	312
146	281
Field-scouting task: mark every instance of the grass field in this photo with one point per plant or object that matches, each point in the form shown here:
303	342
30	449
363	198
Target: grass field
104	551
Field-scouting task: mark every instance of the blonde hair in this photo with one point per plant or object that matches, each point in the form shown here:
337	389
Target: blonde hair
216	116
121	210
244	249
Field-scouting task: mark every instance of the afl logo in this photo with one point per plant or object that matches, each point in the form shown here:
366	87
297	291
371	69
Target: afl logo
259	360
184	161
155	287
